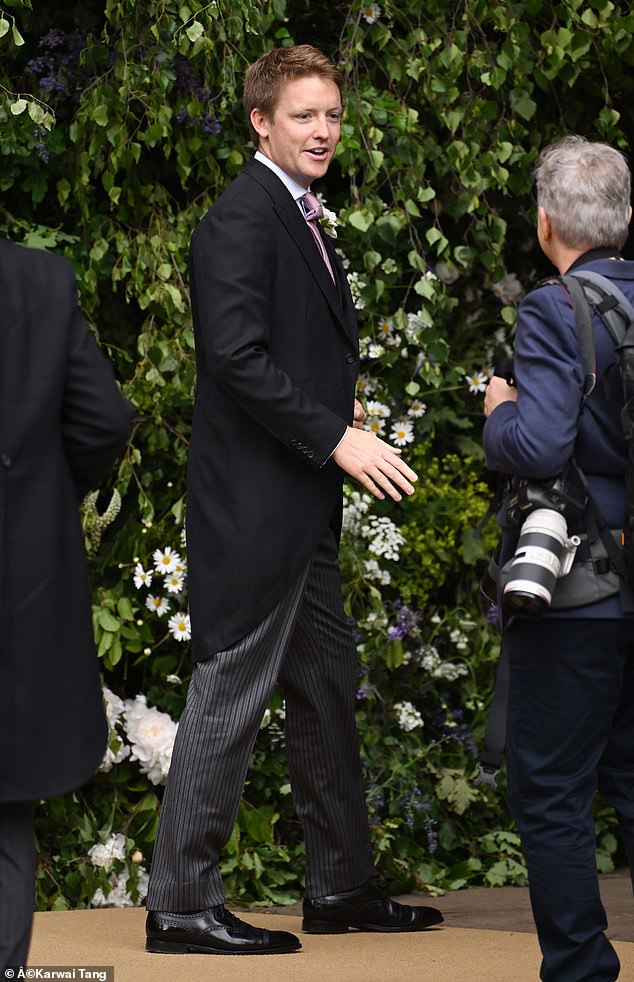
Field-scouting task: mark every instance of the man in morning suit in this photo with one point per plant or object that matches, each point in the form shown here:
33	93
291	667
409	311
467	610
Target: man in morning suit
273	434
62	423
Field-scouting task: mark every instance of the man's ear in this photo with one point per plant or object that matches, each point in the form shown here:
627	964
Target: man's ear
629	217
543	224
259	122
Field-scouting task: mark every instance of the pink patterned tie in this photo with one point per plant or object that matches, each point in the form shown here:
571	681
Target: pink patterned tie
313	211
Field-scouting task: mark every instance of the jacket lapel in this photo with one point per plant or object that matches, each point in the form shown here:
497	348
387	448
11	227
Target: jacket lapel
292	219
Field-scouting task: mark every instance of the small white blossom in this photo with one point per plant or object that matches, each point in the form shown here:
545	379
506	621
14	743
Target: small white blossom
180	627
365	386
118	895
417	409
376	426
416	325
104	853
174	582
384	537
402	432
371	12
408	716
375	350
357	285
478	382
166	560
375	408
151	734
508	289
158	605
389	265
142	577
116	750
329	222
173	679
373	572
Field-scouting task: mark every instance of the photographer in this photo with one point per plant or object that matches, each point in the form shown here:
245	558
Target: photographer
570	726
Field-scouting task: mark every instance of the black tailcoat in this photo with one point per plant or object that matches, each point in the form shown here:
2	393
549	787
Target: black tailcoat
62	422
277	361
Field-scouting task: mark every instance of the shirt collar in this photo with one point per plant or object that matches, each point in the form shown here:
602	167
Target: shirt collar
295	189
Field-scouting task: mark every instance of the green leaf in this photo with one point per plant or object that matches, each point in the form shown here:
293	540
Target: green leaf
18	106
107	621
18	40
100	115
362	220
194	31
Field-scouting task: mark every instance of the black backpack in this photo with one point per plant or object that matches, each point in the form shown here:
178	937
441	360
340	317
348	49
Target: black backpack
588	291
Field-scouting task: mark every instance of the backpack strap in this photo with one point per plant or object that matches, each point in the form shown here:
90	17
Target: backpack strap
583	329
615	310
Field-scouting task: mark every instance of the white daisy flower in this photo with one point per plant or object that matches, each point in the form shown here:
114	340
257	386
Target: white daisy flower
377	409
371	12
158	605
142	577
402	432
375	425
174	582
417	409
166	560
180	627
477	382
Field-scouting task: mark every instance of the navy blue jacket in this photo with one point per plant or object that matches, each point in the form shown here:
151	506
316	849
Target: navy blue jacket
535	436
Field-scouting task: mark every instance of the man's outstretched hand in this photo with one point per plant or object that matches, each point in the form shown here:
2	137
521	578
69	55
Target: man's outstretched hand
377	465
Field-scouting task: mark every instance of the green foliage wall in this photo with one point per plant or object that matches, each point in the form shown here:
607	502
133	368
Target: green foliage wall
447	107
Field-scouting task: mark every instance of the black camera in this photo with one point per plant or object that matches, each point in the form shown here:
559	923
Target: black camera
544	551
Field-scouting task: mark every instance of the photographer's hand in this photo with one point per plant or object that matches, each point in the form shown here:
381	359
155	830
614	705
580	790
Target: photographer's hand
498	390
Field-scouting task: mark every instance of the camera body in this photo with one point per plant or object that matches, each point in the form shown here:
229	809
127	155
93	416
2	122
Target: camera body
544	551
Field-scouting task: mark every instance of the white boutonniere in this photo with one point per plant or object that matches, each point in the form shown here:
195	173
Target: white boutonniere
329	222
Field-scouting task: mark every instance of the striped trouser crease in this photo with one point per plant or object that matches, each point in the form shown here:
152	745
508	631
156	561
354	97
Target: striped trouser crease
306	645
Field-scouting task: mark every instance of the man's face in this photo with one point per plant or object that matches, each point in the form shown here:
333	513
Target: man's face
303	131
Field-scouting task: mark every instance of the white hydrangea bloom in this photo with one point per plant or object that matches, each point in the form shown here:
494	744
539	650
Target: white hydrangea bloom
117	750
118	895
151	734
384	537
373	572
104	853
408	716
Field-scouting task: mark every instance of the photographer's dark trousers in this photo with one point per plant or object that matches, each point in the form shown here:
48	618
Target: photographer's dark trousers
570	733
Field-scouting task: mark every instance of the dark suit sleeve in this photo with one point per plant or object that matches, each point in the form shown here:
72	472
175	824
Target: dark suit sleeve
95	416
235	275
534	437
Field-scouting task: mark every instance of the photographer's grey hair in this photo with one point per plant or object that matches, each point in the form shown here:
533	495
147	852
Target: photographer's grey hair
584	188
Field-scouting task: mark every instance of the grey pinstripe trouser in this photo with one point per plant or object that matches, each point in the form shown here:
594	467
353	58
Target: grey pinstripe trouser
306	644
17	881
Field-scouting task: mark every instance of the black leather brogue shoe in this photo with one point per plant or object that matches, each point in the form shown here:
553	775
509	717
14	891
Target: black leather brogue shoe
213	932
366	909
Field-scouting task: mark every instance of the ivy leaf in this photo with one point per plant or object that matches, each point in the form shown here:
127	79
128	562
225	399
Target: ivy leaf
195	31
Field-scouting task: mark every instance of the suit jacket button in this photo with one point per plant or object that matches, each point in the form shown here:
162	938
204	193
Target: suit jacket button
350	359
5	460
